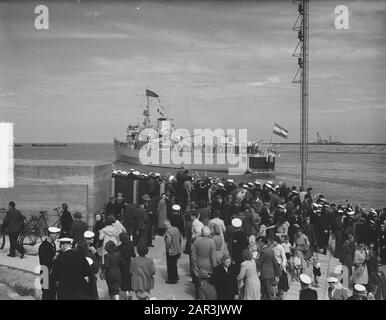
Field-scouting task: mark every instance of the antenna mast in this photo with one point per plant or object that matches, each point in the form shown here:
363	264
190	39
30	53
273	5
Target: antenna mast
301	76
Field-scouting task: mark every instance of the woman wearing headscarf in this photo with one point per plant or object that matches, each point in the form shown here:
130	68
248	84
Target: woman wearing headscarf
360	275
248	278
126	250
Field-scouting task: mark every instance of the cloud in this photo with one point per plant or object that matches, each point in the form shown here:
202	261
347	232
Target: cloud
270	80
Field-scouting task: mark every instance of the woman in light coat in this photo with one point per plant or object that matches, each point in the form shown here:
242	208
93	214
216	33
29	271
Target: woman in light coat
248	278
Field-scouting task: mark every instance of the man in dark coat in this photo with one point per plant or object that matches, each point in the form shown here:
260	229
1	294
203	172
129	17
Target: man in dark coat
338	230
239	243
377	283
382	243
71	273
322	230
129	221
177	220
225	279
347	254
306	293
78	228
13	224
112	208
142	222
47	253
65	221
269	269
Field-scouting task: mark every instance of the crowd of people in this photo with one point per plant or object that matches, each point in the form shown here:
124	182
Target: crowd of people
246	241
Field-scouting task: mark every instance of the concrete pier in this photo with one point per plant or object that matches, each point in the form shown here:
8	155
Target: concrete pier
46	184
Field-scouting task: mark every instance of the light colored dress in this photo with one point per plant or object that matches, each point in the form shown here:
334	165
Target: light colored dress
248	274
360	274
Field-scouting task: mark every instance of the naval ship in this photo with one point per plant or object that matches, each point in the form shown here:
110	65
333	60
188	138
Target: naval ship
260	156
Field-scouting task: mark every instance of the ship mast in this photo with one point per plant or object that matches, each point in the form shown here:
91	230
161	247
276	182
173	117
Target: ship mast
302	27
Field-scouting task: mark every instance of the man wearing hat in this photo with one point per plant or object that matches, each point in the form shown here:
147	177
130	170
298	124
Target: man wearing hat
377	283
78	228
89	238
306	293
71	273
359	293
382	242
173	242
338	230
47	253
177	220
112	208
238	243
143	221
269	269
336	290
225	279
65	221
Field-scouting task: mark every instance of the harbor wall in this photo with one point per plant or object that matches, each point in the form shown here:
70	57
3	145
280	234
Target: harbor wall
45	184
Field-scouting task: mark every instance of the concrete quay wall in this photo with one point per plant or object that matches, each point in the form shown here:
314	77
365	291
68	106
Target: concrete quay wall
46	184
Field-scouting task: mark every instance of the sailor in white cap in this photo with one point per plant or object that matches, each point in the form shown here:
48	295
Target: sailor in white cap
236	222
230	181
47	253
359	293
176	207
72	273
306	293
89	238
335	290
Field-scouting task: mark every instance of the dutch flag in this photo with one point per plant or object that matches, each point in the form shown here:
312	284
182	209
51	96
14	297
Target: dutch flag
280	131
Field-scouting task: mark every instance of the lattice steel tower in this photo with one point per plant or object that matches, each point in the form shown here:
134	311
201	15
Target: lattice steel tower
301	26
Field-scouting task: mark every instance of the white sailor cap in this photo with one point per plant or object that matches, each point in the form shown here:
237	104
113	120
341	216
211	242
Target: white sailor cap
257	183
157	174
250	184
245	186
176	207
270	182
236	222
305	279
317	205
171	178
332	280
221	184
132	169
281	207
89	234
53	230
360	288
322	199
66	240
351	213
230	180
340	211
89	260
136	173
373	211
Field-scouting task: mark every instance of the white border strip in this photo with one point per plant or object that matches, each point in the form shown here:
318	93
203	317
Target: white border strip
6	155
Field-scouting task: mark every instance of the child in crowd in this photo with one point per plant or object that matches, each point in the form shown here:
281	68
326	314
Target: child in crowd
287	248
299	263
316	269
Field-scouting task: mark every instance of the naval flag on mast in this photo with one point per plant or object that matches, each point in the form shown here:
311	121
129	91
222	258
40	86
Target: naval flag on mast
152	94
280	131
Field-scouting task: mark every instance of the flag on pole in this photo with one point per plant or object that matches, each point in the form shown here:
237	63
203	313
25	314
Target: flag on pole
152	94
280	131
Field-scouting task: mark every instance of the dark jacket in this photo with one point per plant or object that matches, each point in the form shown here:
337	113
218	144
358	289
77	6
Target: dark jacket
267	264
225	282
142	218
77	231
66	222
308	294
347	254
177	221
378	281
69	270
47	252
13	221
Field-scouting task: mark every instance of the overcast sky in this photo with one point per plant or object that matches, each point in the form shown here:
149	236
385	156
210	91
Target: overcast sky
214	64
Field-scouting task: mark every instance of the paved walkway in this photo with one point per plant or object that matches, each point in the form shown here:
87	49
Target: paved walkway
184	290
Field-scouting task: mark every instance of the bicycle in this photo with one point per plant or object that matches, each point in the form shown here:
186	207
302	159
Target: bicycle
36	228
